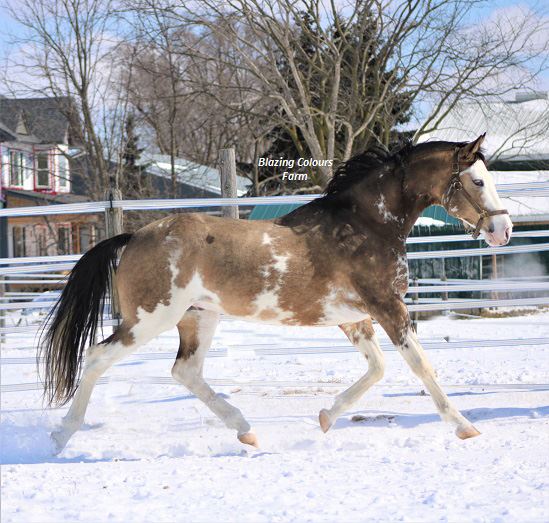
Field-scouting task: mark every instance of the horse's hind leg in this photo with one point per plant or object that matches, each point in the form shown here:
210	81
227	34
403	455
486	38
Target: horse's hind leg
196	331
99	358
363	337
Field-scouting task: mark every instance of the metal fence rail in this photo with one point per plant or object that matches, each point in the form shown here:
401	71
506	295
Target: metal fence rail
536	189
20	268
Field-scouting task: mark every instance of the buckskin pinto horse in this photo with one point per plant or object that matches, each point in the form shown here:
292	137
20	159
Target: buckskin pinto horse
339	260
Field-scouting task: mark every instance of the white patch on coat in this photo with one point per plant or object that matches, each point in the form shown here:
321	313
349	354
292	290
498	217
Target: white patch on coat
281	263
489	199
338	308
383	211
401	271
267	300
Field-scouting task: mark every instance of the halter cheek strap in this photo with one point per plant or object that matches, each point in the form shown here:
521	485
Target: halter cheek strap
457	185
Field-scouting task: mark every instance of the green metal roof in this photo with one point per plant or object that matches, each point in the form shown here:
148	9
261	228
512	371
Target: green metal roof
269	212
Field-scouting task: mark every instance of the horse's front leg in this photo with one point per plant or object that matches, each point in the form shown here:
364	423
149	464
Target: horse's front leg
363	337
395	320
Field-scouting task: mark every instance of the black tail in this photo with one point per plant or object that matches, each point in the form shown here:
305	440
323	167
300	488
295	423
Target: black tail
74	319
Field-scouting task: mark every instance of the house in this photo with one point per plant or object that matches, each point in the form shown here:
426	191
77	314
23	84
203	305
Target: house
36	148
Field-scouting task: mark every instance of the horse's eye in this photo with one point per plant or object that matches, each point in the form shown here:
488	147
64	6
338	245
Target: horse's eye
478	183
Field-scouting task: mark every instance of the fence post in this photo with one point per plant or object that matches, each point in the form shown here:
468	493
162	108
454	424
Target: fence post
3	254
114	219
443	278
2	314
227	170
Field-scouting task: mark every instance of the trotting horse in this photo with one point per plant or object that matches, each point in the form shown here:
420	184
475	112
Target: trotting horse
339	260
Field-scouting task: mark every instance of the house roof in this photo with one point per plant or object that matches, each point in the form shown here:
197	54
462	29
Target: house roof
517	130
40	120
524	207
190	173
42	198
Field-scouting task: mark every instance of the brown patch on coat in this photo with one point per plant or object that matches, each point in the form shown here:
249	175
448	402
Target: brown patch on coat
362	330
122	334
143	277
267	314
188	336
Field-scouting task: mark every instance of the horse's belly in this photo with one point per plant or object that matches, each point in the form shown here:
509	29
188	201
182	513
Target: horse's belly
331	311
337	314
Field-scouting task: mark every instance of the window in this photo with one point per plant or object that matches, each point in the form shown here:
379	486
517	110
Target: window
41	235
63	172
64	239
43	170
86	237
18	234
16	168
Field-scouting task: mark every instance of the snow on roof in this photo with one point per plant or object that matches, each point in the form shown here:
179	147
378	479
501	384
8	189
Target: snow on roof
514	130
523	206
190	173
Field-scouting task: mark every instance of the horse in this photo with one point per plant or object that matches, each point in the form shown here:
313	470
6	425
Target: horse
338	260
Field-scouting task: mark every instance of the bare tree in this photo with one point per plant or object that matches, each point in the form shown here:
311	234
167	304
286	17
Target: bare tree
342	93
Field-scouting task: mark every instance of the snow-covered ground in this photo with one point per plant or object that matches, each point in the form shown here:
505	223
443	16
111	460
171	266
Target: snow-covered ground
151	452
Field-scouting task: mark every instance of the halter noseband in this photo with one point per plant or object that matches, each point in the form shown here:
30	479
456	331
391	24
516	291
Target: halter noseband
457	185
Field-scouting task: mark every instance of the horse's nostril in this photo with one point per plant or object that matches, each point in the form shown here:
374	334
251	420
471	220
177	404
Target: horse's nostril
507	233
491	229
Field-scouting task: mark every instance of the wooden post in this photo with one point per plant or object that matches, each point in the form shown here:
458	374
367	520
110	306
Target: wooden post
114	219
3	254
227	170
443	278
495	274
2	314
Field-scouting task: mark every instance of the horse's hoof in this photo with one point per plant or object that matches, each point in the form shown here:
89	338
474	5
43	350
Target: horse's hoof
467	432
324	420
249	438
58	442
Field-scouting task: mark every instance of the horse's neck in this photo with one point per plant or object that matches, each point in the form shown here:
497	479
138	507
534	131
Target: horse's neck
391	203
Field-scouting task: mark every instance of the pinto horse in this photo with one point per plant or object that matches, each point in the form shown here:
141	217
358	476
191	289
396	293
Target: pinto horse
339	260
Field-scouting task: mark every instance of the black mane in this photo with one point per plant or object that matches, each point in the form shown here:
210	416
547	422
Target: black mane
365	164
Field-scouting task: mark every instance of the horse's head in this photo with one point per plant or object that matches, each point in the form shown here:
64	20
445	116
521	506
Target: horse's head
471	195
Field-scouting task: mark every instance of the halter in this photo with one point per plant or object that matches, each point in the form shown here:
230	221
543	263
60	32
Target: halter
457	185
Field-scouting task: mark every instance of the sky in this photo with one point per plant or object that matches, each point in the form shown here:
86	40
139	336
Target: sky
10	29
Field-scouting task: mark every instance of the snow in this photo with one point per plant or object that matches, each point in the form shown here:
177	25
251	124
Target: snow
152	452
525	205
425	221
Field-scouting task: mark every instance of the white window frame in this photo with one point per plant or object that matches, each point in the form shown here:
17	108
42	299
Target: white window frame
12	154
63	176
38	170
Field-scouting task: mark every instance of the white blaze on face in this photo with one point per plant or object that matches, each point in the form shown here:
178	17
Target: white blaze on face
496	230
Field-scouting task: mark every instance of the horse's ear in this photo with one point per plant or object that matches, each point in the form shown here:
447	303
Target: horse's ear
469	150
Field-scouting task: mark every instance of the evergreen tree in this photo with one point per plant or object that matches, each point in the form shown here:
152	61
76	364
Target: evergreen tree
135	182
